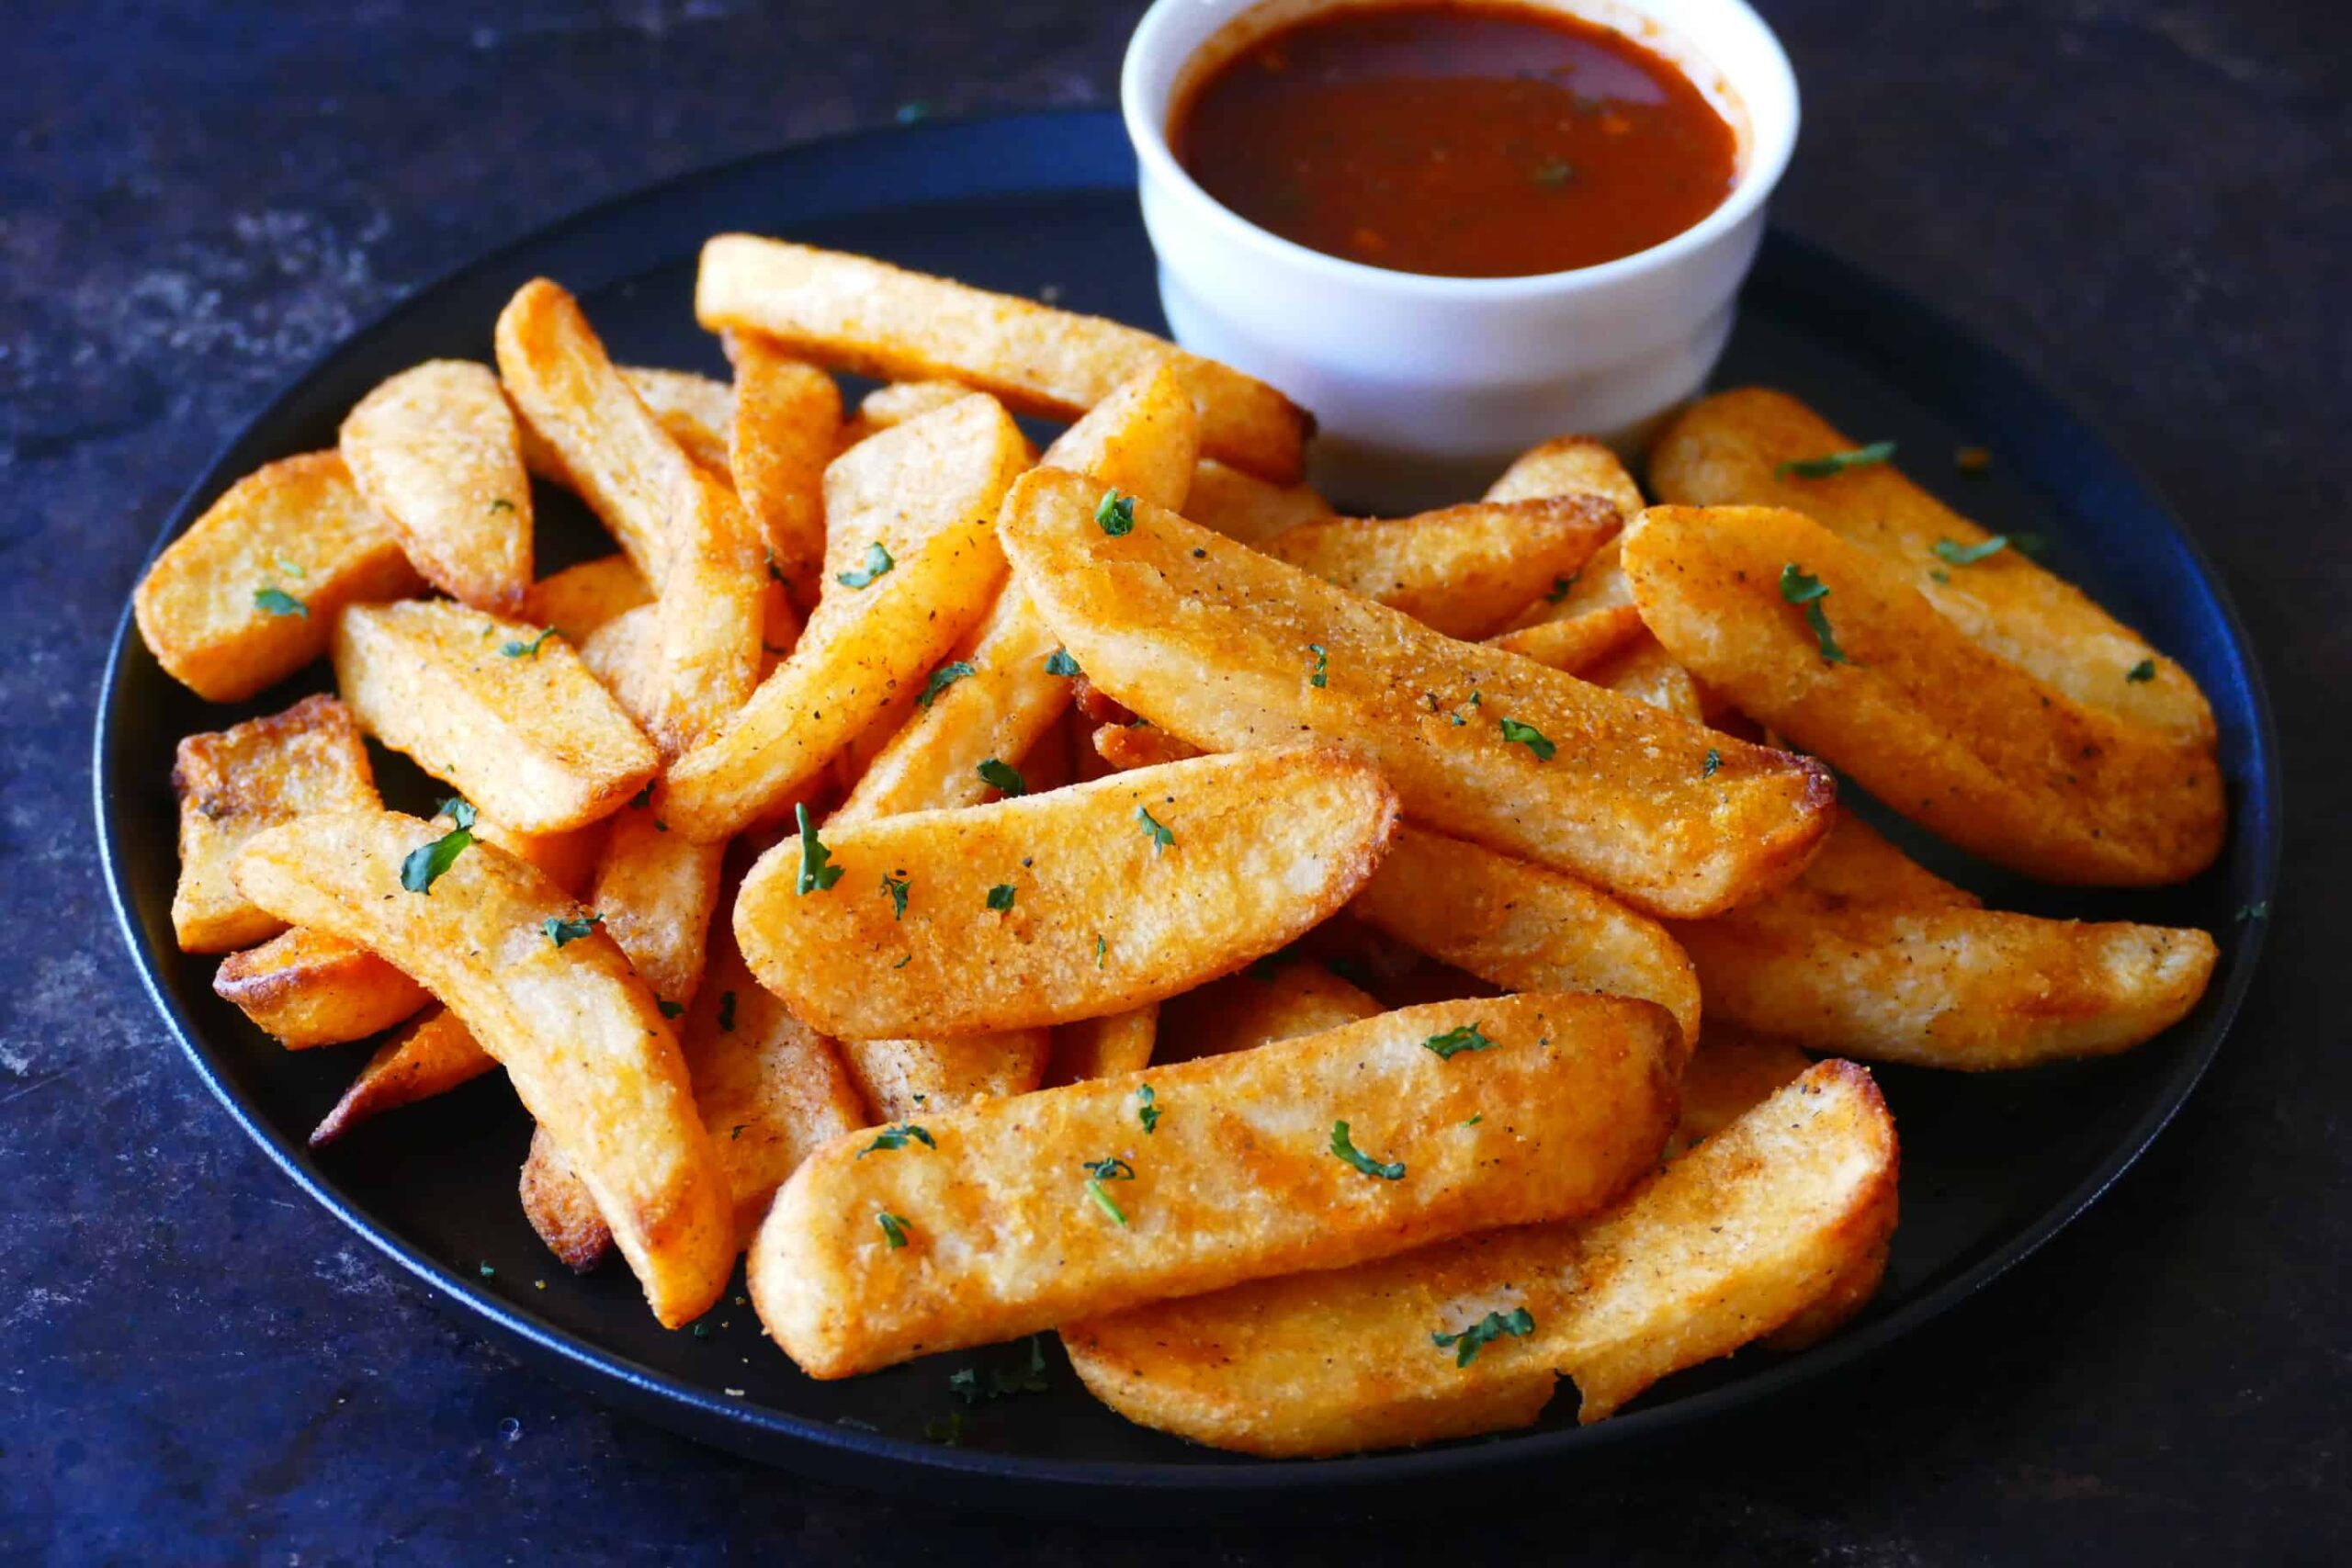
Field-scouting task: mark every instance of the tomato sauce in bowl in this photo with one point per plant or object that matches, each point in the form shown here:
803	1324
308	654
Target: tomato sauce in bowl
1456	139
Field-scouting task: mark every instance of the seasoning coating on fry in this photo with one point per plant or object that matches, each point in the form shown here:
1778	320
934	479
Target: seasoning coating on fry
1103	1047
697	410
713	612
787	420
1278	1000
434	451
1246	509
579	599
1463	570
911	1077
434	1053
305	987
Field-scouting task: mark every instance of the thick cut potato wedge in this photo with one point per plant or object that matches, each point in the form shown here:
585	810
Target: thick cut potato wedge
581	1038
249	594
1739	1235
1955	738
1640	669
1235	1180
1857	865
1521	927
713	611
1249	510
1463	570
697	410
926	495
434	451
529	737
1103	1047
578	600
788	420
1217	643
305	987
1140	441
625	655
235	783
1139	745
657	889
1053	908
1727	450
864	315
1579	642
895	404
1732	1072
902	1078
561	1209
1570	465
433	1054
614	453
570	857
1261	1005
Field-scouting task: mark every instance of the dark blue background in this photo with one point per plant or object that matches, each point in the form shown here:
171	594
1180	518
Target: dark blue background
2148	204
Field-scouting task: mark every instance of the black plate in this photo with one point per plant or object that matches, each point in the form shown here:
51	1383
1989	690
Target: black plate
1992	1164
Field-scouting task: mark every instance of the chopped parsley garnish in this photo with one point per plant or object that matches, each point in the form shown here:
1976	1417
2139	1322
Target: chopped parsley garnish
1116	513
487	1272
1527	735
1102	949
1146	1109
560	930
817	871
894	1226
941	679
527	649
1112	1169
878	564
1969	555
1712	765
643	797
1469	1037
2143	671
1475	1119
726	1012
1560	586
1344	1147
1322	665
1003	776
1798	588
898	1137
1103	1201
2260	911
672	1010
1155	829
291	568
278	602
1001	897
502	504
424	866
1467	1344
1060	662
896	886
1830	463
1002	1382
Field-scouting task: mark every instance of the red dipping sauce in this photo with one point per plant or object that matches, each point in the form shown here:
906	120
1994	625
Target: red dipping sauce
1457	141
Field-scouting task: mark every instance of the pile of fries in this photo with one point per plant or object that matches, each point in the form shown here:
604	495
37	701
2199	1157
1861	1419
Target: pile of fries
1343	974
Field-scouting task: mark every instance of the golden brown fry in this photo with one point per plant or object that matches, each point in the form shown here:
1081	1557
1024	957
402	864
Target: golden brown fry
508	715
305	987
1218	644
1640	669
1570	465
1052	908
1576	643
1732	1072
697	410
1855	865
895	404
657	890
1139	745
1463	570
249	594
588	1052
923	497
569	858
864	315
1248	510
434	451
233	783
433	1054
900	1078
614	452
1237	1177
1727	450
1103	1047
561	1209
580	599
713	611
1746	1232
625	655
1959	739
787	420
1266	1002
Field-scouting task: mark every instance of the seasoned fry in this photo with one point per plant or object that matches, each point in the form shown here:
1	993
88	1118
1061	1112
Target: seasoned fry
305	987
923	497
249	593
233	783
1463	570
1246	510
1640	669
588	1052
1218	644
434	451
1959	739
1139	745
1727	450
787	420
1047	908
1103	1047
569	858
1579	642
433	1054
1570	465
900	1078
1855	865
1732	1072
509	715
1266	1002
713	612
864	315
580	599
625	655
561	1209
614	452
895	404
1240	1176
697	410
656	890
1742	1233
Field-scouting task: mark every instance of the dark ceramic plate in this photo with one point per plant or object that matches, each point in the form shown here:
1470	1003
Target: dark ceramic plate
1992	1165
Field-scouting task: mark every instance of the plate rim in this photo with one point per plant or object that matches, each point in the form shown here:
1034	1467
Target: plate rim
878	1460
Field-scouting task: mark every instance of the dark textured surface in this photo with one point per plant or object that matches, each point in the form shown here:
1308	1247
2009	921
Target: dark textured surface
2147	203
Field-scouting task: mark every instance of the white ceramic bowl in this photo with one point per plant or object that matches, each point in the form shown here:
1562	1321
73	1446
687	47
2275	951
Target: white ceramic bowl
1424	387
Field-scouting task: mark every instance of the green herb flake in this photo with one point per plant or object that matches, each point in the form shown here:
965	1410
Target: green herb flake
1798	588
1938	574
1146	1109
941	679
1115	513
896	886
278	602
527	649
1969	555
672	1010
1003	777
878	564
1712	765
1475	1119
1002	1382
1830	463
1155	829
1527	735
1001	897
1344	1147
1465	1346
2258	911
1102	949
1322	665
487	1272
893	1226
898	1137
1103	1201
424	865
291	568
726	1012
1110	1169
2141	673
902	962
1060	662
502	504
643	797
561	932
1560	586
1453	1041
817	871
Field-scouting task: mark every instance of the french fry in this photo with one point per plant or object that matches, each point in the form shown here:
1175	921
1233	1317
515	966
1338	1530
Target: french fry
712	613
1733	1071
1220	643
434	451
1463	570
788	420
1521	927
233	783
431	1054
1597	600
1579	642
923	496
1103	1047
1264	1003
896	403
1140	441
697	410
1243	1173
1729	450
1139	745
656	890
1959	739
614	452
900	1078
561	1209
625	655
569	858
305	988
588	1052
1640	669
1857	865
1569	465
508	715
1740	1234
1047	908
249	593
581	599
1248	510
865	315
